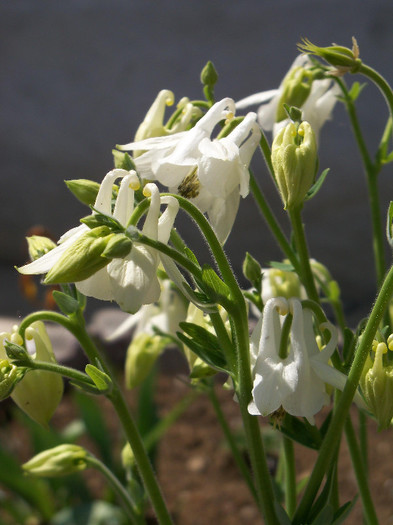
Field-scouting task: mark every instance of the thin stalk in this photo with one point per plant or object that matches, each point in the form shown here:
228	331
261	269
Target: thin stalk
371	171
380	82
363	441
290	476
305	273
272	223
65	371
361	474
232	443
336	425
128	505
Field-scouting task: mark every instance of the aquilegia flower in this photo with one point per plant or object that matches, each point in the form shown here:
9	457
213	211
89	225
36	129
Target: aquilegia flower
130	280
297	380
212	173
301	87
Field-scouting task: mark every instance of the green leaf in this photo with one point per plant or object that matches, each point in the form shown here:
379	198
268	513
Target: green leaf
295	429
67	304
343	512
285	267
102	381
389	224
123	160
214	287
325	516
356	89
204	344
282	516
98	219
317	185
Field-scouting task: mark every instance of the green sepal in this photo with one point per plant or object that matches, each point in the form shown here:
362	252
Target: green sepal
118	247
84	190
102	381
389	225
204	344
356	89
16	352
98	219
67	304
317	185
123	160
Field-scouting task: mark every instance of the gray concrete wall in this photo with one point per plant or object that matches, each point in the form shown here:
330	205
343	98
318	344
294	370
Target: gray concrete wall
78	76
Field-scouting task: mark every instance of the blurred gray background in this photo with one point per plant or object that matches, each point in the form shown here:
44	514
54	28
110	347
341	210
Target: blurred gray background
78	76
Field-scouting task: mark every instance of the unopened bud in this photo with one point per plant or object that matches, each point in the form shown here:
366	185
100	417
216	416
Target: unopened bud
85	190
82	259
295	160
296	88
142	353
118	247
377	386
39	392
58	461
342	58
209	75
39	246
10	375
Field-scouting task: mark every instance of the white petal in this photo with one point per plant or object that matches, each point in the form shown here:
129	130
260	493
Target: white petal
257	98
165	222
97	286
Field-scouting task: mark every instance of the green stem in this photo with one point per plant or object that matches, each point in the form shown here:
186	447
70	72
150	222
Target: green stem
336	425
371	171
290	476
65	371
380	82
232	443
305	273
361	474
76	325
128	505
272	223
363	441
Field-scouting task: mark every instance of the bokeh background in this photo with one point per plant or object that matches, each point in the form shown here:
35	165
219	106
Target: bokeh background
77	77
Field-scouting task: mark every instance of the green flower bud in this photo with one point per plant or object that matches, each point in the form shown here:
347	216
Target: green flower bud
377	385
142	353
295	161
209	75
118	247
82	259
295	90
280	283
10	375
85	190
342	58
127	457
39	392
58	461
39	246
252	270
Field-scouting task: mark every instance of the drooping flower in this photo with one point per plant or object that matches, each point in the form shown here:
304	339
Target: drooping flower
301	87
297	380
130	280
211	173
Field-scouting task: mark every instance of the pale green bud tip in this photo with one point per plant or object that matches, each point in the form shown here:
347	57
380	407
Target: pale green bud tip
209	74
58	461
118	247
296	88
342	58
142	353
39	246
84	190
9	376
377	384
83	258
252	269
295	160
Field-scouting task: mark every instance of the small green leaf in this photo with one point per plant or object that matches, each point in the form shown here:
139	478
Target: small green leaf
325	516
204	344
98	219
102	381
356	89
343	512
317	185
285	267
67	304
214	287
123	160
295	429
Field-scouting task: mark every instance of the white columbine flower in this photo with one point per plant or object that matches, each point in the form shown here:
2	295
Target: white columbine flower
298	381
212	173
315	97
130	281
